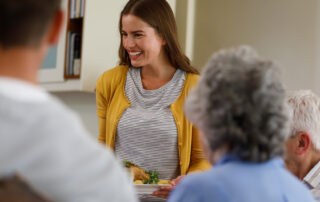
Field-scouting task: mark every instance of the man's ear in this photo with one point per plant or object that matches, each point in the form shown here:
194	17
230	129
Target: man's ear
56	26
304	143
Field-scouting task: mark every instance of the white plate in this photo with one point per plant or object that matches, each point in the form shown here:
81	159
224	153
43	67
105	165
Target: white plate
146	188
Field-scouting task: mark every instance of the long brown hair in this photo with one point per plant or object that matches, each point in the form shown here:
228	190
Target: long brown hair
158	14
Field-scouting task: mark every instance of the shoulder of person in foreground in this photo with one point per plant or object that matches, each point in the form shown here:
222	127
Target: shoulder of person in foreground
65	163
195	188
293	189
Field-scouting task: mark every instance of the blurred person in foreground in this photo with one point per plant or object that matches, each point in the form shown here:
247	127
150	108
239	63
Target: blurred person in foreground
40	139
303	147
239	107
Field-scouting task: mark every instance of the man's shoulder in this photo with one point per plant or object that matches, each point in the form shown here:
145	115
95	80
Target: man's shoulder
313	176
35	115
316	193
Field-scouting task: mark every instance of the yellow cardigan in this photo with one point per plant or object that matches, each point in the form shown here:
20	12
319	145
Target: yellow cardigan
111	103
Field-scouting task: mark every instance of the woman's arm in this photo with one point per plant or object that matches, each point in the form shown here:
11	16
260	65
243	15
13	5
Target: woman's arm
102	130
101	112
198	161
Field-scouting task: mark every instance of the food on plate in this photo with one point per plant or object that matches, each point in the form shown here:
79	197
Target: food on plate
140	176
138	182
164	182
137	172
154	177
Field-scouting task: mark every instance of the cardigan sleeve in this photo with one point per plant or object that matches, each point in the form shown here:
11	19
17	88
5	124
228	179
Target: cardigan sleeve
198	161
101	103
106	86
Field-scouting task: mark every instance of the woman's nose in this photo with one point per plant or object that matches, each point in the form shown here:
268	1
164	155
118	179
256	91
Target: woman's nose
128	42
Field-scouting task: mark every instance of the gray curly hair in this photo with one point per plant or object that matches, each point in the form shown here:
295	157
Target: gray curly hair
240	103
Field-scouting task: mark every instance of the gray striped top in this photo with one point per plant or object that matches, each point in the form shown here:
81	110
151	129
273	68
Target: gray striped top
147	132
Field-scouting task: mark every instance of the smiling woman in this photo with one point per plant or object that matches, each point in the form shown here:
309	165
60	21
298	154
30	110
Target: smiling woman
140	102
141	42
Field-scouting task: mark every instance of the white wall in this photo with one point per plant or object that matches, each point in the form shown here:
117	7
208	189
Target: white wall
283	30
101	39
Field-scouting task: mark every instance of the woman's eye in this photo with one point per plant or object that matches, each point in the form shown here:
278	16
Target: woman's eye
124	34
138	35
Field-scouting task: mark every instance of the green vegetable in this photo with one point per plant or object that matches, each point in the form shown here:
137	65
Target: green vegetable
154	177
127	164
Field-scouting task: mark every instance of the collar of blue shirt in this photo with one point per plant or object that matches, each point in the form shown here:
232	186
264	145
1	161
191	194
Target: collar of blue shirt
233	157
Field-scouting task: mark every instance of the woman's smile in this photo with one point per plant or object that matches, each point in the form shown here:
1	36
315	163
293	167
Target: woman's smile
134	55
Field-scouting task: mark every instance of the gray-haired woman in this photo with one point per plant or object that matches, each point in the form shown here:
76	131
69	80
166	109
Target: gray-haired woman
240	110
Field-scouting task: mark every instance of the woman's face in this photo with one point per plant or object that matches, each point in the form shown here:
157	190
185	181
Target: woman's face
141	41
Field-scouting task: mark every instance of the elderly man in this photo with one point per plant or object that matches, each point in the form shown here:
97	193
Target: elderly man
303	146
40	139
239	107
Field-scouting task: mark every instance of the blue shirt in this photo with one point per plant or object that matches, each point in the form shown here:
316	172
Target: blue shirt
232	180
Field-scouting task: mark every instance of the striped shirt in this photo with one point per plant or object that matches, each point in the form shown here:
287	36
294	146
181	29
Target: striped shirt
147	132
312	179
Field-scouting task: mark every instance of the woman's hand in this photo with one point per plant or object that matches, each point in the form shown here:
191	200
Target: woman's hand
164	191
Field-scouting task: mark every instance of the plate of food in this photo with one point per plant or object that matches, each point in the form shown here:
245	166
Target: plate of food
146	188
149	188
145	182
